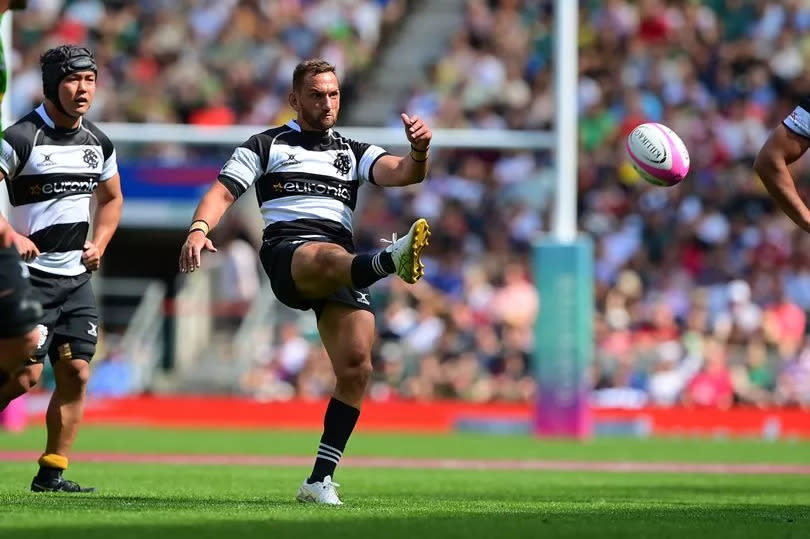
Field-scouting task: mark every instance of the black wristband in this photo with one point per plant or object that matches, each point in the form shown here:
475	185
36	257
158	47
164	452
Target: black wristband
415	149
418	160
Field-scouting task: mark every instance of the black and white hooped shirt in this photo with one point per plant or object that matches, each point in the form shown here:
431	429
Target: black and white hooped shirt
51	174
306	181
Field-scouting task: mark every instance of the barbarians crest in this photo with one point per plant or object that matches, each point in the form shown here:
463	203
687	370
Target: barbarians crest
342	163
90	158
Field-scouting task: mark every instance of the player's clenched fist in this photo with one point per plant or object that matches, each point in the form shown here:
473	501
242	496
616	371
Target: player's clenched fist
91	257
192	248
27	249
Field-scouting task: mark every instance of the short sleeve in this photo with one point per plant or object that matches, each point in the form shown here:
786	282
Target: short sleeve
365	155
110	167
9	161
15	150
244	167
798	121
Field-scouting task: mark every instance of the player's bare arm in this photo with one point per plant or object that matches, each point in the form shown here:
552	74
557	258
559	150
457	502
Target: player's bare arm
782	148
109	201
6	238
210	210
392	171
28	251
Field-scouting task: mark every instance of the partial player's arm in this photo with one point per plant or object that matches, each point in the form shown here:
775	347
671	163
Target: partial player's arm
212	207
243	168
109	201
783	147
392	171
6	234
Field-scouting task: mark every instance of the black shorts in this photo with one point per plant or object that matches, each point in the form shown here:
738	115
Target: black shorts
276	255
20	309
70	324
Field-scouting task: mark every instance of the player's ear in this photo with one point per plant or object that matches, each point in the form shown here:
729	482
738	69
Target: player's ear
292	99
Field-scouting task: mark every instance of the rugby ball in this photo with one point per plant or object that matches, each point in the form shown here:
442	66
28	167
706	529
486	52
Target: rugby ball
658	154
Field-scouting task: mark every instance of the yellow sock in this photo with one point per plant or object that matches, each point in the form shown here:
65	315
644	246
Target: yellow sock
52	460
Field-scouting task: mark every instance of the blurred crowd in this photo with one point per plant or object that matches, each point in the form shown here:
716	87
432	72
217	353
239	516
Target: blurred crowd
702	289
207	62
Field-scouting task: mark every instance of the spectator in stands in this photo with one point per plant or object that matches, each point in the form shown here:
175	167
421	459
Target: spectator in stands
707	269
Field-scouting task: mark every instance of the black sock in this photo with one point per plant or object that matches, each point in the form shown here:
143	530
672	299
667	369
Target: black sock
338	424
46	473
368	269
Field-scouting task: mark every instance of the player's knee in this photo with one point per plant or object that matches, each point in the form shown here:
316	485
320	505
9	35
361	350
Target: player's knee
77	372
28	377
72	374
356	369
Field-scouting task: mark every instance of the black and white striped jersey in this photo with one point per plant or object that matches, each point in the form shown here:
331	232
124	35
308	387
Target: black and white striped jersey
306	181
51	174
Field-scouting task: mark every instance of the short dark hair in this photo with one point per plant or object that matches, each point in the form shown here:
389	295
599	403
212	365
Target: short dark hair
18	4
313	66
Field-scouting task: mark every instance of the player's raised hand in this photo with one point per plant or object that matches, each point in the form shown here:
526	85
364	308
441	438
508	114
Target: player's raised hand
417	131
191	253
28	251
91	257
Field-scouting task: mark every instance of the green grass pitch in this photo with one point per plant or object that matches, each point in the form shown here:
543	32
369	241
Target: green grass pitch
190	501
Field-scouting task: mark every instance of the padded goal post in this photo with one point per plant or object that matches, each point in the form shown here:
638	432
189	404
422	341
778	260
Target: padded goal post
563	264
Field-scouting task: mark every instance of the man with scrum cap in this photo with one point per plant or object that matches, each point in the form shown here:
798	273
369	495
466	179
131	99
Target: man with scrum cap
54	162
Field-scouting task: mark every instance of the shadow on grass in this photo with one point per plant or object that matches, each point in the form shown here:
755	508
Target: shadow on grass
201	519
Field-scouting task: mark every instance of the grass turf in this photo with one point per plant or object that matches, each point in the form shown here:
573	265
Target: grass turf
147	500
264	442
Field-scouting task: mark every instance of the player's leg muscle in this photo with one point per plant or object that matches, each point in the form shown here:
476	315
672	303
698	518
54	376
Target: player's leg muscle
66	408
319	268
19	382
348	335
16	350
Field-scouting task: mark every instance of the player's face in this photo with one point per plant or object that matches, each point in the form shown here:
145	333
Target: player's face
76	92
318	101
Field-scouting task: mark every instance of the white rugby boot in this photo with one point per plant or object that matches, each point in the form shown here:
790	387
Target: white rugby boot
324	492
407	251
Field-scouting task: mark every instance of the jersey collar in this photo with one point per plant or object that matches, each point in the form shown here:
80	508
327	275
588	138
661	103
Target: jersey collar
43	113
292	124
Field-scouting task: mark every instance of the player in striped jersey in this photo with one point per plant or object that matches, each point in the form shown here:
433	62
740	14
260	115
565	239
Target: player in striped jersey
54	162
19	310
306	177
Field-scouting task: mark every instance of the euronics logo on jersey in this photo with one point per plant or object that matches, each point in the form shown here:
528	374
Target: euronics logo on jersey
59	187
312	187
